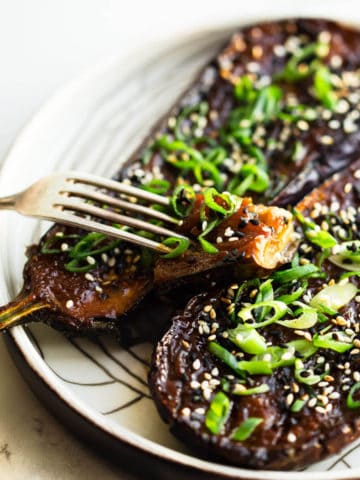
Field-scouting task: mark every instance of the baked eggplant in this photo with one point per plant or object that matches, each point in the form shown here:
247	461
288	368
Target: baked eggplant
266	373
274	114
250	240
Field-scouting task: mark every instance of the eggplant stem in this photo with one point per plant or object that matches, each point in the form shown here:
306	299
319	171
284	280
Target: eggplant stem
16	312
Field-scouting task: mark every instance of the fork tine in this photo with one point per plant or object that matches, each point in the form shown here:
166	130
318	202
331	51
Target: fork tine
119	187
116	202
115	217
73	220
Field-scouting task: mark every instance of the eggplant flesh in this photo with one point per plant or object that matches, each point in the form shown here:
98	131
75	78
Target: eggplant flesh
186	375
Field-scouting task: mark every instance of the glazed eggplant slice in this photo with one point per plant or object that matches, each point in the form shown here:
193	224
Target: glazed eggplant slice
273	115
72	276
266	373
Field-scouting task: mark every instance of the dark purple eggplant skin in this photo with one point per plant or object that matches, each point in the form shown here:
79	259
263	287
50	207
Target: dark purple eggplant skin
317	434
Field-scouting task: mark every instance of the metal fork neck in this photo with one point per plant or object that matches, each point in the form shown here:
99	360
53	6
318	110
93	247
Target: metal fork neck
7	203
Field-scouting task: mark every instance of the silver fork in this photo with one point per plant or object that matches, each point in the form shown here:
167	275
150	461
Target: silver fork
61	196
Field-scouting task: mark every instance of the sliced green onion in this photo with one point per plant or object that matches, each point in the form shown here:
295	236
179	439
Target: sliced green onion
291	72
256	367
279	308
242	187
298	405
305	348
178	145
323	87
336	341
180	246
350	402
244	89
91	244
217	413
225	356
298	151
334	297
157	185
263	388
295	273
347	256
249	340
306	320
260	179
207	246
292	297
79	265
267	104
278	356
314	234
182	200
266	293
246	429
48	247
321	238
210	196
304	375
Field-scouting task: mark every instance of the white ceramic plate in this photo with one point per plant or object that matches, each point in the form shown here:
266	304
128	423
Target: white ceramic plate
93	125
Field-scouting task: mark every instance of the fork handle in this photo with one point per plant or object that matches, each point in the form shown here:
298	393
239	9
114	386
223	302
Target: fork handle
8	203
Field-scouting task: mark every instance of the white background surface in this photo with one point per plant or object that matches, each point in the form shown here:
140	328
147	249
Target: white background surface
44	44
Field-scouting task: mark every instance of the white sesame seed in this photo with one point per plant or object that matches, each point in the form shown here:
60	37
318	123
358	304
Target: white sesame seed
289	399
185	412
200	410
59	234
349	126
312	402
346	429
204	384
334	395
324	36
291	437
69	304
99	289
64	247
111	262
90	260
326	140
207	393
320	409
196	364
215	372
194	384
348	188
303	125
336	61
342	106
279	50
229	232
253	67
89	277
334	124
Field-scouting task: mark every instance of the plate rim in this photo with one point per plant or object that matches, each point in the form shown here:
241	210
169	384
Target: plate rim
23	352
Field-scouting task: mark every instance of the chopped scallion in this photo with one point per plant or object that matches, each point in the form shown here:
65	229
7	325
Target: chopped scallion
246	429
218	413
